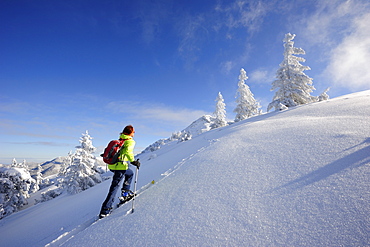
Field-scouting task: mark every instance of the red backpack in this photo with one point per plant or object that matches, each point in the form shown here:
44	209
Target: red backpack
112	151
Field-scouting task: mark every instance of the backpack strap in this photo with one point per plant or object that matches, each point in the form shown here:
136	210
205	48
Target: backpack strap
119	160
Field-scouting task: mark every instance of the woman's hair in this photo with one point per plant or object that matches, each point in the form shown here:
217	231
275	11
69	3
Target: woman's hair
128	130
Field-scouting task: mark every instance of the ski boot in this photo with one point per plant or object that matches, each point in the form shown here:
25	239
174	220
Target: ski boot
127	195
104	213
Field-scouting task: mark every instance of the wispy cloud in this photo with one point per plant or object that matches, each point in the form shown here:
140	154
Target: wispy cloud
192	32
227	66
60	119
152	14
220	22
9	105
248	14
262	76
156	112
330	22
349	61
45	129
338	32
55	144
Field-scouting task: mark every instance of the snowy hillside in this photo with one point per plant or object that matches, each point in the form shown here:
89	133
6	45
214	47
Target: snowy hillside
298	177
199	126
52	167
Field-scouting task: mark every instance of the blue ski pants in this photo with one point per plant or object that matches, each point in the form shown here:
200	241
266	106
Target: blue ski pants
117	178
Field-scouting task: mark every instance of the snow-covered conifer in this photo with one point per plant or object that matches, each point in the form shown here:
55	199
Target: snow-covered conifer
23	164
14	163
86	143
247	106
15	184
37	180
180	136
185	136
220	112
81	172
7	202
175	136
292	84
324	95
39	177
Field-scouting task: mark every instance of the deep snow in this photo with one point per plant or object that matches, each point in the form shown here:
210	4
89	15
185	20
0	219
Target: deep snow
298	177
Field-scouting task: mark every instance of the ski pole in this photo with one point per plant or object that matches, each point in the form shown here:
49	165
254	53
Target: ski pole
133	199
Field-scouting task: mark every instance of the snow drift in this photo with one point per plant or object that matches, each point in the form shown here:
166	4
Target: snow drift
298	177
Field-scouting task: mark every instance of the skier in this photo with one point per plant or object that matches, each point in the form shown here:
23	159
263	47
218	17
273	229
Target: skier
121	170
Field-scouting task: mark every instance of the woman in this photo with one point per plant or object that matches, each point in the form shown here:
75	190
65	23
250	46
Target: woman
121	171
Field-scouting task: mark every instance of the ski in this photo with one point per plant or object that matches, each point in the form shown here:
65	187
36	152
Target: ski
124	200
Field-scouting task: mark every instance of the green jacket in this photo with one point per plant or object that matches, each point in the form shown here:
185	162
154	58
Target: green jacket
127	154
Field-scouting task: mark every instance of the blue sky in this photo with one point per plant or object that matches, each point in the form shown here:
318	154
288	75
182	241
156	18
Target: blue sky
71	66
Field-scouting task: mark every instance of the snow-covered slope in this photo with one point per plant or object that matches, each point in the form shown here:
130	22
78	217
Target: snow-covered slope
52	167
201	125
299	177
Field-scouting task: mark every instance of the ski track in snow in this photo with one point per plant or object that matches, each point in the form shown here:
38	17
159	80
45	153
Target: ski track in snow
68	235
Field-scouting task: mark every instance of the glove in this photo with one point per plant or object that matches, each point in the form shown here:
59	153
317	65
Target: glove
136	163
